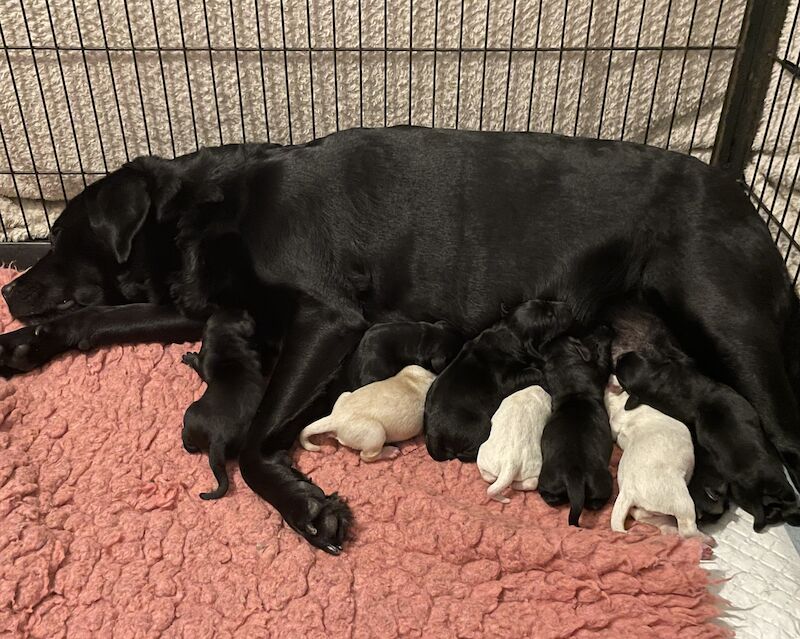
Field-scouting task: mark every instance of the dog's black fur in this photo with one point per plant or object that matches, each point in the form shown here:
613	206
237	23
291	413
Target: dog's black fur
637	327
577	441
500	361
230	365
409	224
387	348
726	427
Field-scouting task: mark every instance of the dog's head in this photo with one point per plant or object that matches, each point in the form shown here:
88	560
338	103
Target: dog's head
537	322
637	374
578	363
94	242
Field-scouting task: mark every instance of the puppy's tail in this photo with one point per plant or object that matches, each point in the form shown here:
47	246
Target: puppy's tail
318	427
216	459
576	491
620	512
503	481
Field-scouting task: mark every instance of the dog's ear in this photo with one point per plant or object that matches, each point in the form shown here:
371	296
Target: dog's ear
122	201
118	211
438	363
633	402
583	350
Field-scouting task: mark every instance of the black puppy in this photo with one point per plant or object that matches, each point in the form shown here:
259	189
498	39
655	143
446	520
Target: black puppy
500	361
726	427
577	442
231	367
386	348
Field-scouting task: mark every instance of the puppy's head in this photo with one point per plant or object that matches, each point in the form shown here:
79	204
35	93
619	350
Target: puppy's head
635	374
539	321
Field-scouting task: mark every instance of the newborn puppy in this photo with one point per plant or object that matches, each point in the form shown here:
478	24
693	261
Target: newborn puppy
655	468
500	361
638	328
726	426
512	456
231	367
576	443
385	411
387	348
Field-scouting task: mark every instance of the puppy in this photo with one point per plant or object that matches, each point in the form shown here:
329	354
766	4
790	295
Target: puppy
638	328
389	410
576	442
231	367
512	456
387	348
726	426
500	361
655	468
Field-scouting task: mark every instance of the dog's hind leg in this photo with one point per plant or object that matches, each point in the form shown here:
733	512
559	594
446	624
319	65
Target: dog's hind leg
314	349
619	513
216	459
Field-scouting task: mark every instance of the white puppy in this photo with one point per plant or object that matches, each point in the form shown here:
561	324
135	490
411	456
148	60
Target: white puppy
390	410
656	466
512	456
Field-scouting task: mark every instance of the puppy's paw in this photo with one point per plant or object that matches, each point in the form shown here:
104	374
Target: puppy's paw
323	520
192	360
28	348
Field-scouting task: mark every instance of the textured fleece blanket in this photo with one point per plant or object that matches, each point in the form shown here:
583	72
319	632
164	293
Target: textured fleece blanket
102	534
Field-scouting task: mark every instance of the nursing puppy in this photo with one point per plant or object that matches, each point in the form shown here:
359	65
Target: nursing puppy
655	468
498	362
231	367
386	411
576	442
638	328
725	425
512	456
387	348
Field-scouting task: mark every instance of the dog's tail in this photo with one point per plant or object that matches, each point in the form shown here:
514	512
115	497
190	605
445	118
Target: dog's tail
216	459
620	512
318	427
503	481
576	491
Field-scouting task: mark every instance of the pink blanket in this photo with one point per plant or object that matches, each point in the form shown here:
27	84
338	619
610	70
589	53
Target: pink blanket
102	534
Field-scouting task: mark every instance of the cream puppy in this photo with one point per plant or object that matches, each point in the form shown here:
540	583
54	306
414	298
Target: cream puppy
387	411
512	456
656	466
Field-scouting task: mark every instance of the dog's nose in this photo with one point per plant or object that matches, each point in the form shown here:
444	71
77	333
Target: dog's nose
7	289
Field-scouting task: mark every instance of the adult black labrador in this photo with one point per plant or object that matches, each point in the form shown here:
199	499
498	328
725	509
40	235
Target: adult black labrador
416	224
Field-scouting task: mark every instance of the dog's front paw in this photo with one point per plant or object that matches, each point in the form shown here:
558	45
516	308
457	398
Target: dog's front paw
28	348
323	520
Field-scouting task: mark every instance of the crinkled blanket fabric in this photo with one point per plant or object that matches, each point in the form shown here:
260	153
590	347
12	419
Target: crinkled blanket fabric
102	534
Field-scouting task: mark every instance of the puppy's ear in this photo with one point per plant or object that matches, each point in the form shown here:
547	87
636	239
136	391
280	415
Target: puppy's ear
438	363
118	210
583	351
633	402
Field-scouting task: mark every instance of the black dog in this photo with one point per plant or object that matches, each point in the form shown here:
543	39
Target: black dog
231	367
726	427
410	224
386	348
500	361
577	442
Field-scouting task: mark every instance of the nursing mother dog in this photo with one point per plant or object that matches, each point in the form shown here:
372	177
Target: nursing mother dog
412	224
